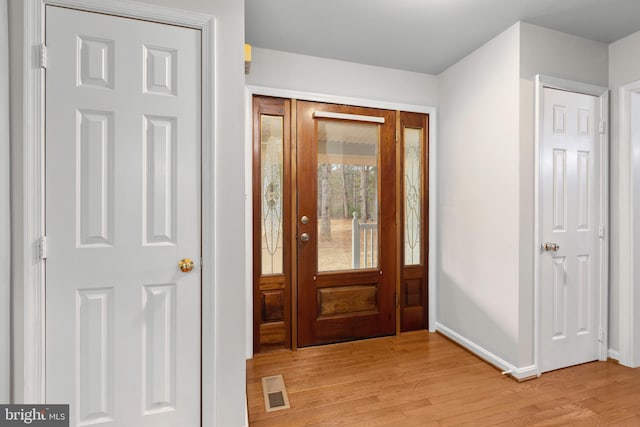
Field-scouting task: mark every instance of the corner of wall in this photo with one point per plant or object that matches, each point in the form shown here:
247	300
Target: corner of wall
478	290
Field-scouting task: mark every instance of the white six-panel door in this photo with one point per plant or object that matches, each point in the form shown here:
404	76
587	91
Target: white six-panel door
570	212
122	209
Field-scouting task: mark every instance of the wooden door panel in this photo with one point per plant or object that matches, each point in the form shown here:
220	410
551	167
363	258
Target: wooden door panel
412	302
353	295
271	239
414	197
346	303
341	300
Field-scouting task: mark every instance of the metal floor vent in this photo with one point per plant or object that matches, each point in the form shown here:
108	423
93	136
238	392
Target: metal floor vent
275	394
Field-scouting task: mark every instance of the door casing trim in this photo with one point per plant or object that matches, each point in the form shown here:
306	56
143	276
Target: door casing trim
33	377
251	90
628	345
5	214
541	82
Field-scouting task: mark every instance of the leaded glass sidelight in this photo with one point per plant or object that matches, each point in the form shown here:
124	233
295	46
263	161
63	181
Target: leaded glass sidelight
271	166
412	195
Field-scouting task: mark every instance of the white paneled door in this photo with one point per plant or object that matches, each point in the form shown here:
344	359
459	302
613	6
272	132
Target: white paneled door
122	210
571	226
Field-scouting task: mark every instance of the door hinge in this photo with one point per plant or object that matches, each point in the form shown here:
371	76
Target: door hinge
600	335
43	56
601	231
42	248
201	263
602	127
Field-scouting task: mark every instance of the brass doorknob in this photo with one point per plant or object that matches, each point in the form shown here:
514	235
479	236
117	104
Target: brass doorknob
186	265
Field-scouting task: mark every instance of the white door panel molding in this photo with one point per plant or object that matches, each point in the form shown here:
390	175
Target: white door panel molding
571	223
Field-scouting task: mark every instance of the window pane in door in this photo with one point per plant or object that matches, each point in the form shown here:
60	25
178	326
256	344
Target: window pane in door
271	165
347	195
412	195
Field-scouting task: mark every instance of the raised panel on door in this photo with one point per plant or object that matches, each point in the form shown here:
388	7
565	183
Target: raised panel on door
346	232
122	209
570	270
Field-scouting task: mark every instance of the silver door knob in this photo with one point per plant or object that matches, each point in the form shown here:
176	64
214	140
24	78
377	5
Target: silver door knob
548	246
304	237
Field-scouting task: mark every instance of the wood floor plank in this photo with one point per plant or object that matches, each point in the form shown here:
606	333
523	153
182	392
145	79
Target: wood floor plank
422	379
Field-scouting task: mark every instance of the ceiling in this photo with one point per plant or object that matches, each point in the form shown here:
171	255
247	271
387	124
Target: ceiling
425	36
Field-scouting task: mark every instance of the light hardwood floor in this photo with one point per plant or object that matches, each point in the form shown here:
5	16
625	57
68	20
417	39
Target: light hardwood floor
421	379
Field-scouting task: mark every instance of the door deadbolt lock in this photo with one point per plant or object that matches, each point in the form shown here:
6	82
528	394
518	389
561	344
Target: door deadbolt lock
304	219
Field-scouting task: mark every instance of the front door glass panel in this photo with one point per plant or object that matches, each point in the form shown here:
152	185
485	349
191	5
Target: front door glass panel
347	195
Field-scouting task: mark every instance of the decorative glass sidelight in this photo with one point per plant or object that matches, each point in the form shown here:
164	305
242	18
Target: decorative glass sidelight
412	195
347	195
271	165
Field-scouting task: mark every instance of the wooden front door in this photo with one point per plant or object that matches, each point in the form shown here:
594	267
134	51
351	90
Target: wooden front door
339	222
346	222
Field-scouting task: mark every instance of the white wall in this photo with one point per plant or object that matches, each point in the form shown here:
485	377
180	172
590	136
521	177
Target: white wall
549	52
229	363
5	233
283	70
557	54
624	68
478	198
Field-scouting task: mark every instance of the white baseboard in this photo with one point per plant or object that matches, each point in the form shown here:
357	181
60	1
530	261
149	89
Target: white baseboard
618	356
507	368
614	354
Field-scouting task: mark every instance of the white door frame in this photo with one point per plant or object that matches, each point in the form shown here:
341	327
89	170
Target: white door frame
602	93
33	349
5	214
251	90
628	141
